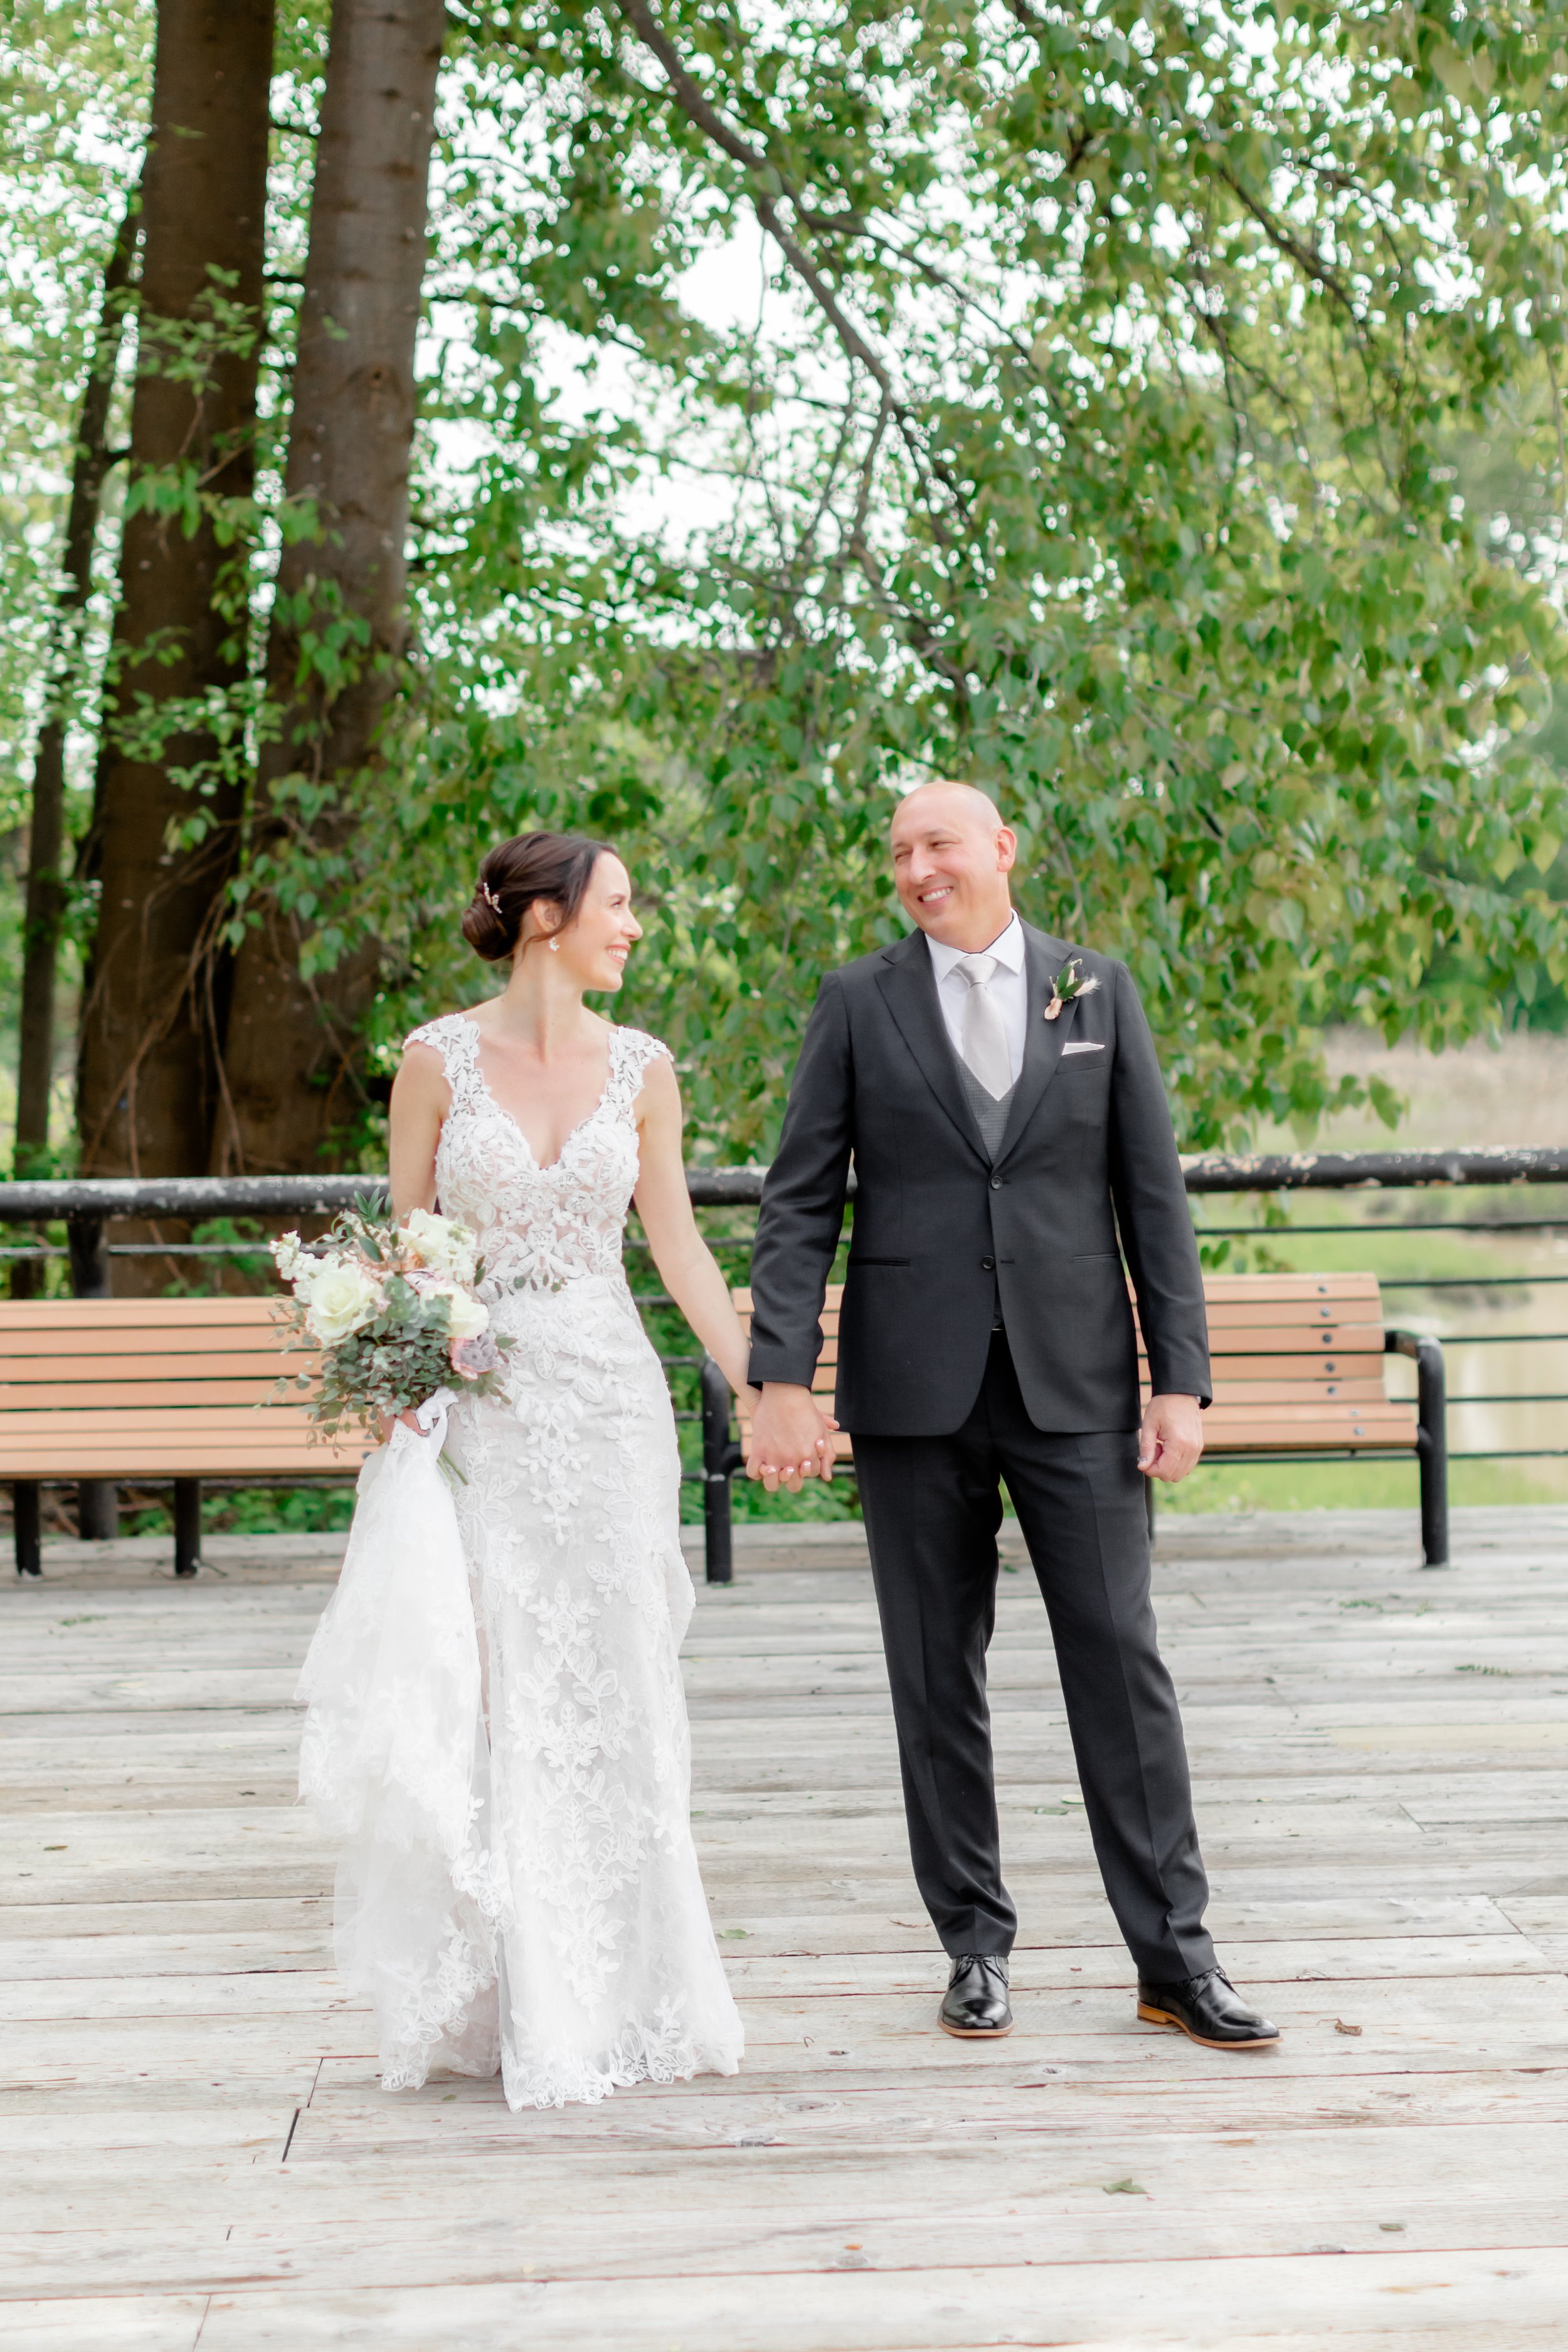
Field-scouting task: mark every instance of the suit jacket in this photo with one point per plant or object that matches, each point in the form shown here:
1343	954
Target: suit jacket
942	1229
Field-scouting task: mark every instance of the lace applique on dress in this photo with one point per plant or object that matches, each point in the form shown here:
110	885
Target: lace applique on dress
540	1226
606	1970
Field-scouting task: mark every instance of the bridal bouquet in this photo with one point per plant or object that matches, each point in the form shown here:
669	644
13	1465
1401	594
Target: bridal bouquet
393	1311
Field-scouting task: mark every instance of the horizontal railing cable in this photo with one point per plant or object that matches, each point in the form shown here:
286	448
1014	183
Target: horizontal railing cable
1372	1226
241	1196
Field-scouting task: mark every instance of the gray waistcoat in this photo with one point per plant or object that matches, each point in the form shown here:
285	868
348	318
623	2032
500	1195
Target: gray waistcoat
990	1113
991	1118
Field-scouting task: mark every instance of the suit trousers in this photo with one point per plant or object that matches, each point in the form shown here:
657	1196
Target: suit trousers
933	1508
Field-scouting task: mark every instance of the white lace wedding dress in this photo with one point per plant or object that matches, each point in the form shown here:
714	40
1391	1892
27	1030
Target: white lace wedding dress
519	1888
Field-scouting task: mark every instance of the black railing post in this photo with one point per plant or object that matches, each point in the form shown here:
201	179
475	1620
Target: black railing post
720	1459
89	1259
1431	1438
96	1499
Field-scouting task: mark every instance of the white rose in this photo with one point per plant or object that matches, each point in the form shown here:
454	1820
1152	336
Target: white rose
470	1316
340	1299
440	1244
467	1316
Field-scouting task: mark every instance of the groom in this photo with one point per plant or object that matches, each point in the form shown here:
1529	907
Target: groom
999	1095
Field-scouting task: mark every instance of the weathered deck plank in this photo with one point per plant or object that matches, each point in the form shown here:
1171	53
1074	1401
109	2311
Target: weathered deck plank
1382	1765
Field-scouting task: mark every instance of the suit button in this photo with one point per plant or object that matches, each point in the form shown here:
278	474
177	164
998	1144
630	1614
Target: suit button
988	1264
995	1183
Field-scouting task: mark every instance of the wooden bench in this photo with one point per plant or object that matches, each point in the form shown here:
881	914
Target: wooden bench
1298	1376
151	1390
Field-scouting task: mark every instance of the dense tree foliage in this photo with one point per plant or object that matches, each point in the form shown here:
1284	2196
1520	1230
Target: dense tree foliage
1111	405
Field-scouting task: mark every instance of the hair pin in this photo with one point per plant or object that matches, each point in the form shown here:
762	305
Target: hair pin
489	896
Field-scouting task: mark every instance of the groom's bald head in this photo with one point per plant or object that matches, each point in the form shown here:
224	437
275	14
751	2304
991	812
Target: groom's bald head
952	857
965	803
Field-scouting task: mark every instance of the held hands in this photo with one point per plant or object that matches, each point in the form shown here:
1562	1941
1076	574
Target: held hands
1170	1437
792	1438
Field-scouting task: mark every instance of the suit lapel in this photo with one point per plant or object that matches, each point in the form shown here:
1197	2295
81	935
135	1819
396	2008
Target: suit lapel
1043	1040
908	985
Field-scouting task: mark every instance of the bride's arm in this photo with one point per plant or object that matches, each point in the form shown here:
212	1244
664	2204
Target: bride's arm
420	1100
686	1264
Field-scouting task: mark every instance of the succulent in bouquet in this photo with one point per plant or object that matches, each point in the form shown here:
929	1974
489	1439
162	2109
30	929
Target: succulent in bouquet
392	1310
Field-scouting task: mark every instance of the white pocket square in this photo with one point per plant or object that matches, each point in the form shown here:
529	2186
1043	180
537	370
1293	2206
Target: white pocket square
1083	1046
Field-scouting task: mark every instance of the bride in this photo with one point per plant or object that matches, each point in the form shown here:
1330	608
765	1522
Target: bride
536	1123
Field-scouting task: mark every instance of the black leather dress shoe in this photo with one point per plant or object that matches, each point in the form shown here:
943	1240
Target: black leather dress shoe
1209	2009
976	2005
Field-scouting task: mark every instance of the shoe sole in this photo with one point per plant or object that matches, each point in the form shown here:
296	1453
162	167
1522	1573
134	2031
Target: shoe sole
975	2032
1163	2017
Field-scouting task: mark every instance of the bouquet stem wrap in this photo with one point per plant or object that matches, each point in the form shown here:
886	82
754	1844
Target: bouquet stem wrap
394	1763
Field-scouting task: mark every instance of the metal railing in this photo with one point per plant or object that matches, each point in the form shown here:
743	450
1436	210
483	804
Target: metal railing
88	1208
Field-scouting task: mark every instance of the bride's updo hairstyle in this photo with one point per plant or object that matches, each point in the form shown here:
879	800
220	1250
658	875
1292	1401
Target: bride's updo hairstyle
553	865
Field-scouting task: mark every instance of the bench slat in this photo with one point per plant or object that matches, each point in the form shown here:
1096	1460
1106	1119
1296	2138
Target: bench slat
130	1314
1315	1354
1306	1315
187	1372
82	1350
1306	1434
216	1420
184	1397
1229	1327
1305	1393
1220	1288
172	1457
1266	1339
1286	1296
1280	1416
1242	1366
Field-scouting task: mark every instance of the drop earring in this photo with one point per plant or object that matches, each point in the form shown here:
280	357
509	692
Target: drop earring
554	947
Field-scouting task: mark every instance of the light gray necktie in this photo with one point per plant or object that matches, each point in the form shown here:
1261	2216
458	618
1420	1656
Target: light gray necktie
984	1032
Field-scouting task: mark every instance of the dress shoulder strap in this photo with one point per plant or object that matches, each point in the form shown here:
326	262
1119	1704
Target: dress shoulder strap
631	1051
456	1040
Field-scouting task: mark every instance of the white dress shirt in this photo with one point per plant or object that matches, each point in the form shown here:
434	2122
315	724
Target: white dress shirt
1009	989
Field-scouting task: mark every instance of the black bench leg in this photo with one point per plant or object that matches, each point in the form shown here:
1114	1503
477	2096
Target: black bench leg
720	1459
97	1510
26	1498
187	1525
1431	1438
1432	1443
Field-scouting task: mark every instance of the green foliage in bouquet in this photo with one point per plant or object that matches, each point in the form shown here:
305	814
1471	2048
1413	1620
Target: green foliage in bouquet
392	1310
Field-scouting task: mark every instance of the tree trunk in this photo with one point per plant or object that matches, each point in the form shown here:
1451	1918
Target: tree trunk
289	1066
148	1046
46	839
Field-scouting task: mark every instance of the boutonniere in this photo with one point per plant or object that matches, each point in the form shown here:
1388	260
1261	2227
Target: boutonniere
1066	987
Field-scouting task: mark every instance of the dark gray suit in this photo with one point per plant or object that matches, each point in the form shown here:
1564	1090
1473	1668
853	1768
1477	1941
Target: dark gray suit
986	1338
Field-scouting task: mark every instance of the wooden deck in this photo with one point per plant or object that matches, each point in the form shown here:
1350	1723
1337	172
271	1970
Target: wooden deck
196	2151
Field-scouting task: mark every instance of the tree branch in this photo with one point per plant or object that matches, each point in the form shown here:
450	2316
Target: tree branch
688	94
1280	238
